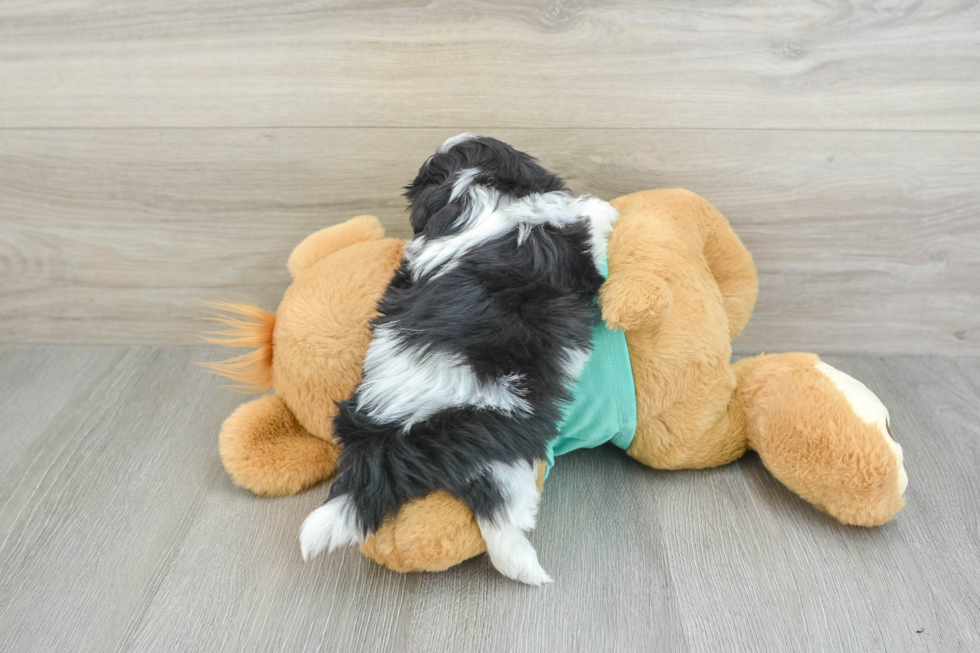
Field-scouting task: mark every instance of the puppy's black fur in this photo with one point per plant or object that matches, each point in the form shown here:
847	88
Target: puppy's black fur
510	306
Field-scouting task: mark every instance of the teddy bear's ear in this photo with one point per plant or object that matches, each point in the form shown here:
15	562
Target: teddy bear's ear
325	242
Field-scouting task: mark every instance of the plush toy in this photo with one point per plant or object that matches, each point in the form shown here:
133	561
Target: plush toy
680	285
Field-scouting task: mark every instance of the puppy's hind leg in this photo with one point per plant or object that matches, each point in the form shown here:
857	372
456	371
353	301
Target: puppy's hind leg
504	528
361	495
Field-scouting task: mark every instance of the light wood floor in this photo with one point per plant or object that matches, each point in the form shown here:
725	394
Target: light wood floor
119	531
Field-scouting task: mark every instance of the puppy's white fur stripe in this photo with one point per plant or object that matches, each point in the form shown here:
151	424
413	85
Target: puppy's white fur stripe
601	216
574	363
453	141
330	526
490	215
463	181
509	549
408	385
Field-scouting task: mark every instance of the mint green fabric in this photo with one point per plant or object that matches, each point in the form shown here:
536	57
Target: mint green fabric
603	406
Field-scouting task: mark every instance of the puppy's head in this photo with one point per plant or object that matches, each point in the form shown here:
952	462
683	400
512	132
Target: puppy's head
440	192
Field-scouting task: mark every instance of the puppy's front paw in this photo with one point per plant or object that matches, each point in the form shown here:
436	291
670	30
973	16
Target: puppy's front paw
330	526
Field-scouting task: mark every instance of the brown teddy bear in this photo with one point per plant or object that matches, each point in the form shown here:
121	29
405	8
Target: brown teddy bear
681	285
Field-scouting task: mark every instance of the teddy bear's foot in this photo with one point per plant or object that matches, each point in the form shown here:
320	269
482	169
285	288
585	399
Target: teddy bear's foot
825	435
267	451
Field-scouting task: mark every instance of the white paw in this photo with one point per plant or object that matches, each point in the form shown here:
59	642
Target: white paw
330	526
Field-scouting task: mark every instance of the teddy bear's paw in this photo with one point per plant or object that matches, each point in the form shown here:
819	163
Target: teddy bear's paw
824	435
330	526
635	301
869	408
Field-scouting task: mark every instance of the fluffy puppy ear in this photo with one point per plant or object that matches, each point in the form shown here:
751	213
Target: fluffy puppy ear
433	195
432	208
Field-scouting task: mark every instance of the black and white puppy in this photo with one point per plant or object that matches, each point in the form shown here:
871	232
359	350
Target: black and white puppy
482	331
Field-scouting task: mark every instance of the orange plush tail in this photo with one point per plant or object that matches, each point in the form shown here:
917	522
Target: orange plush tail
254	369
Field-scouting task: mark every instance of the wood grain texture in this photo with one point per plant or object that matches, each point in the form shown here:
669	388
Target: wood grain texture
120	531
865	242
517	63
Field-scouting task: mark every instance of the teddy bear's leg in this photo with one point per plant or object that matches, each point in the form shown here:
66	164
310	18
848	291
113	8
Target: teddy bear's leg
325	242
267	451
701	428
429	534
824	435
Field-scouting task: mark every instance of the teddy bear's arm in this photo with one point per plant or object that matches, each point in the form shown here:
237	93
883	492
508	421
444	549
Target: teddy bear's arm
325	242
635	295
653	236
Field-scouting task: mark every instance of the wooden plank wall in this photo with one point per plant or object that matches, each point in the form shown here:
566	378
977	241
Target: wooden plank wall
154	155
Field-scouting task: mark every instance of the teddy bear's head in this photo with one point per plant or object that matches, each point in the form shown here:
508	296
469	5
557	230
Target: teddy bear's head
312	349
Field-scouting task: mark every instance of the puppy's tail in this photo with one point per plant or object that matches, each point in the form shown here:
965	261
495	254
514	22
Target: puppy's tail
248	326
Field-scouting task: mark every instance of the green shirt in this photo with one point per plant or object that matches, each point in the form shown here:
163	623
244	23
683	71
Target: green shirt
603	406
